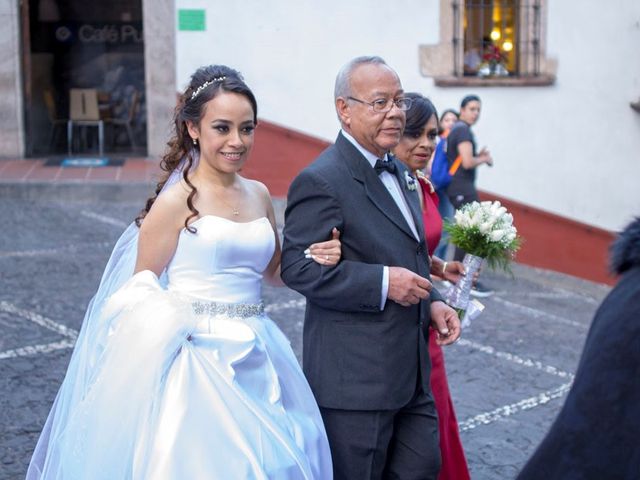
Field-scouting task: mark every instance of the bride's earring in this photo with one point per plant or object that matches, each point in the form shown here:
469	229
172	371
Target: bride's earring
195	141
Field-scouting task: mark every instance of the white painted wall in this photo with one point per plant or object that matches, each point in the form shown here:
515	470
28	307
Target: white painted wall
572	149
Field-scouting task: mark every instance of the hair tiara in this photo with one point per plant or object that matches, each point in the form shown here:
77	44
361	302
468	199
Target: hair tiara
197	91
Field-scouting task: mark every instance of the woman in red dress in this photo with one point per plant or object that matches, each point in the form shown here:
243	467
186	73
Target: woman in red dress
415	150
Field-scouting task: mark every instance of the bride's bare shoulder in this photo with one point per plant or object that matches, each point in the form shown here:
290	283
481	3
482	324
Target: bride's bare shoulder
257	188
170	207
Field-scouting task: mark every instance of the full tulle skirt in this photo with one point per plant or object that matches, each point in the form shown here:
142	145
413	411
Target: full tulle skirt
166	393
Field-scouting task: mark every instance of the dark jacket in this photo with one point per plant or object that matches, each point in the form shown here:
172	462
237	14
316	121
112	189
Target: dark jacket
355	356
597	433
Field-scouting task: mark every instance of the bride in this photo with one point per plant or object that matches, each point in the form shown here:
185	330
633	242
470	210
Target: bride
178	373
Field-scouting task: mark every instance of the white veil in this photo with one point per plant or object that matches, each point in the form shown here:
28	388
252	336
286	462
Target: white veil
92	339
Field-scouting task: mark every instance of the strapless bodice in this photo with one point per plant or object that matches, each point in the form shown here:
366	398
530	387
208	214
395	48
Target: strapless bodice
223	261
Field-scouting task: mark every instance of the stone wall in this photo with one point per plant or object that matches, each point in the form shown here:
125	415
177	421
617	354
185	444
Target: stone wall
160	71
11	117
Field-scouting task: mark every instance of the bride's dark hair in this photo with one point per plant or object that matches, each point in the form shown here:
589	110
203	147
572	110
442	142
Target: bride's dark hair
205	84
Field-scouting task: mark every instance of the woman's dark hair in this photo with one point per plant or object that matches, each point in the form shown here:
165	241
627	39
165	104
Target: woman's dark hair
449	110
442	115
469	98
205	84
418	114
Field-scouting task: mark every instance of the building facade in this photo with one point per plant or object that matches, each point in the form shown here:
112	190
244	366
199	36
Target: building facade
562	125
559	82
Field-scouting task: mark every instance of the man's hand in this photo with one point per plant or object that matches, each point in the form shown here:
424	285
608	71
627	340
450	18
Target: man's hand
445	322
407	288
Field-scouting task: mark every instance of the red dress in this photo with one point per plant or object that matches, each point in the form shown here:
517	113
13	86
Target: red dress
454	463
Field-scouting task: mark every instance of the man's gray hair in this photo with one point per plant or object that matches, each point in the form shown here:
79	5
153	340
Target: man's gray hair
343	79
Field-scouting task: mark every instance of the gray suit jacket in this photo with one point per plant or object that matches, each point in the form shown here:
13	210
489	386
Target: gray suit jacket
355	356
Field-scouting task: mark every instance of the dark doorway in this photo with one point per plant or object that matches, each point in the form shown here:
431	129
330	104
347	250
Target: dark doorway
83	61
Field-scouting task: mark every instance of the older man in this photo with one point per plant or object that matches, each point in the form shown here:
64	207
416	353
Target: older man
367	319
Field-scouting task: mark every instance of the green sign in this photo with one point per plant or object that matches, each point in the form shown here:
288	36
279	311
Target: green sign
191	20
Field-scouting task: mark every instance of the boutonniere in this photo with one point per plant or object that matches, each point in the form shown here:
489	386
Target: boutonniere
410	181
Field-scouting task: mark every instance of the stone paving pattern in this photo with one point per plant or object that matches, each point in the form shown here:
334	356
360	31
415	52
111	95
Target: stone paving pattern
510	370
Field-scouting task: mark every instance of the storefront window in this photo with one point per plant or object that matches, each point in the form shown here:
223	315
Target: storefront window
79	53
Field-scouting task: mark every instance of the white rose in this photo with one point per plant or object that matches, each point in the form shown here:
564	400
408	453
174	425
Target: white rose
497	235
474	219
464	220
494	219
485	227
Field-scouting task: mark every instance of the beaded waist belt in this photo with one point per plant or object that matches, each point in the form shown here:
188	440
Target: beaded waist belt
239	310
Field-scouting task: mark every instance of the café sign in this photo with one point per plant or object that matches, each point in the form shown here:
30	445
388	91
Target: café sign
99	33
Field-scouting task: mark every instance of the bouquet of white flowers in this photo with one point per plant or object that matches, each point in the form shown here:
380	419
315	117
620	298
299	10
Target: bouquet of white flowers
484	231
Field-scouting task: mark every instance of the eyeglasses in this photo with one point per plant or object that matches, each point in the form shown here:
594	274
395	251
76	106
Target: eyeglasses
383	105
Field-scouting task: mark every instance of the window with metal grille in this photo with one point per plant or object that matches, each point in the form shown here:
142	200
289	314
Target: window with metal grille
496	38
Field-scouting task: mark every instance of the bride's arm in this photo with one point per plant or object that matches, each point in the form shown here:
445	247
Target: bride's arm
159	233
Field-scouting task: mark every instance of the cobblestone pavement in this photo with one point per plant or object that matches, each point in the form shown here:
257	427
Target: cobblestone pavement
509	374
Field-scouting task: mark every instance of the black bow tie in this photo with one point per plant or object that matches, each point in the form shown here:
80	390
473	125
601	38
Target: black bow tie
387	165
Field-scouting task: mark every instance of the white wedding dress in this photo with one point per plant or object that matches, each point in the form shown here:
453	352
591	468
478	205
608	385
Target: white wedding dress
187	378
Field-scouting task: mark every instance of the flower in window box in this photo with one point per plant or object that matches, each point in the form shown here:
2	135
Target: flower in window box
493	62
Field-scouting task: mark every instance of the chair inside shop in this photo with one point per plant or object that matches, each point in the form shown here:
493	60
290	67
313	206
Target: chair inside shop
84	114
125	122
